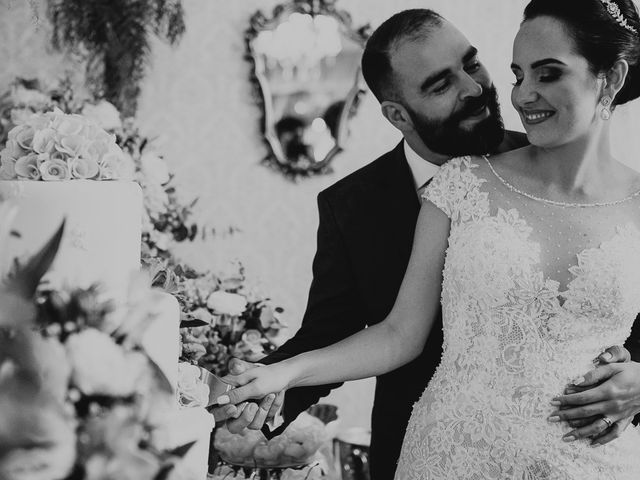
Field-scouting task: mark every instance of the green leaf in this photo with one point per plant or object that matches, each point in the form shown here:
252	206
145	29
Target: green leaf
194	322
28	277
182	450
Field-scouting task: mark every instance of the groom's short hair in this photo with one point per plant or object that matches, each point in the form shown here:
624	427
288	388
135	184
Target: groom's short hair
407	25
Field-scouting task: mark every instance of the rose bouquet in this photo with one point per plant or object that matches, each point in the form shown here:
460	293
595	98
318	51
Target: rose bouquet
57	146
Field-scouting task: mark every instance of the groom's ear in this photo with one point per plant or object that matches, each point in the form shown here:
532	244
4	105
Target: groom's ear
397	115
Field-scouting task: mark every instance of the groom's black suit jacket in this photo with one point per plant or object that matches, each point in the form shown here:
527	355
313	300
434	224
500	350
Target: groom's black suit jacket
365	235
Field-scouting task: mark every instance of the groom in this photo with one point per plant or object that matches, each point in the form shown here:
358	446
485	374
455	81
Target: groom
434	90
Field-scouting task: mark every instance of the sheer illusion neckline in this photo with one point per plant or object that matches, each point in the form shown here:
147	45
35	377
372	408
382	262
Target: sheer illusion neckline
554	202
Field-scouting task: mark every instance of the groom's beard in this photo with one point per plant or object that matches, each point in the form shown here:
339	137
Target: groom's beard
449	138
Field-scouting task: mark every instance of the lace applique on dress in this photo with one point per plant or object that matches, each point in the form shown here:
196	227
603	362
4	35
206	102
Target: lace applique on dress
514	337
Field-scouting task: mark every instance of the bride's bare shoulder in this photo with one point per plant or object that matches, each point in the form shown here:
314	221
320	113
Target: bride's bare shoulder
514	162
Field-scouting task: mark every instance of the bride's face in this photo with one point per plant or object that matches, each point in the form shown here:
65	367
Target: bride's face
555	93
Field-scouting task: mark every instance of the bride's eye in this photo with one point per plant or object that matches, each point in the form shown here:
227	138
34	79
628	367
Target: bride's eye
549	75
517	81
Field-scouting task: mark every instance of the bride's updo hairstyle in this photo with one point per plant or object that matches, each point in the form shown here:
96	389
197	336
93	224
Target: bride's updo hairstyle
604	31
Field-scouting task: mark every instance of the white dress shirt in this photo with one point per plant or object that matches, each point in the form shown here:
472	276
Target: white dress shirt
422	170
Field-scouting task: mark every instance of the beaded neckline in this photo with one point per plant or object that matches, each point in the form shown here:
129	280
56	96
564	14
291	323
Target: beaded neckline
554	202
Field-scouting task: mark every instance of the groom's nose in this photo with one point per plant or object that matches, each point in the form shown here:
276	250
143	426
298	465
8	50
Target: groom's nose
469	87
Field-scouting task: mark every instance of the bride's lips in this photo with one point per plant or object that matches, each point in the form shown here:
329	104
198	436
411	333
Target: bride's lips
533	117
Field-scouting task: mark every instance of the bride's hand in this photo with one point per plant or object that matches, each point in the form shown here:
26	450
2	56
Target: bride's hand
256	384
615	395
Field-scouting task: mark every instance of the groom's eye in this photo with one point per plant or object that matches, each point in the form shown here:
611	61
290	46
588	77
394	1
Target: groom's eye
441	87
473	67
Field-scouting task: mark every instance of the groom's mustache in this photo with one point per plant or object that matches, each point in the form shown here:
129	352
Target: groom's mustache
474	104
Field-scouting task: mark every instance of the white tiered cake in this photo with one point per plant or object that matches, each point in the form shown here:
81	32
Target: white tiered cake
102	235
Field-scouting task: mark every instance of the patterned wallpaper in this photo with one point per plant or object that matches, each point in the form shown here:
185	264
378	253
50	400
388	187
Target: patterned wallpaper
198	102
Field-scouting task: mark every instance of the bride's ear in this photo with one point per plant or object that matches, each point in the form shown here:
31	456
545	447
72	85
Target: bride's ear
615	77
397	115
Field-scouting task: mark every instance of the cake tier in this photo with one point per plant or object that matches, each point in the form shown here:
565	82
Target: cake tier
161	340
183	427
102	236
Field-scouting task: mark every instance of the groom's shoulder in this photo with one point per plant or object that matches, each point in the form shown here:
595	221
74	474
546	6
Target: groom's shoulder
366	177
512	141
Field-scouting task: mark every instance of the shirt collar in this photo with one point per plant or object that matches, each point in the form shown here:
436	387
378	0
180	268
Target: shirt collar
421	170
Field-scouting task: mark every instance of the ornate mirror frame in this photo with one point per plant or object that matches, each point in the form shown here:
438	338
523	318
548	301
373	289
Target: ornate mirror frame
276	158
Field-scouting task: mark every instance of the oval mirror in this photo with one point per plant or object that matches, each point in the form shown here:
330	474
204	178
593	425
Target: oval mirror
306	68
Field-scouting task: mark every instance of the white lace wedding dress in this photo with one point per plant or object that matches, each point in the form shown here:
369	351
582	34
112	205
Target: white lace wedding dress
532	293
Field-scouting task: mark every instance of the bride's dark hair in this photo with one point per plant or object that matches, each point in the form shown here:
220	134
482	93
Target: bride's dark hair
599	37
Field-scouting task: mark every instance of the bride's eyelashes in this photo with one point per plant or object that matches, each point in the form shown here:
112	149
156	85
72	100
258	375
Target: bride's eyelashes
546	75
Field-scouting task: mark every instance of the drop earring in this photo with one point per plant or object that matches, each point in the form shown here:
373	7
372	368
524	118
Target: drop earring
605	113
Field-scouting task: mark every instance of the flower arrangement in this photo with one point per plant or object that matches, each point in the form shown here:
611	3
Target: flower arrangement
168	216
221	317
81	397
191	391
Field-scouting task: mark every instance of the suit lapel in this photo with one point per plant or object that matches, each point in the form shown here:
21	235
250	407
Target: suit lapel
394	211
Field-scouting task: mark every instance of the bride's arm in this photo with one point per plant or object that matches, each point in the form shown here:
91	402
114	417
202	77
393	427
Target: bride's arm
380	348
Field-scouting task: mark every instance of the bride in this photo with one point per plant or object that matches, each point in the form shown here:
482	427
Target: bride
538	254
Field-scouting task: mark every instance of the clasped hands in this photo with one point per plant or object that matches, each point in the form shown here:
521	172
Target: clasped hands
250	405
601	404
611	391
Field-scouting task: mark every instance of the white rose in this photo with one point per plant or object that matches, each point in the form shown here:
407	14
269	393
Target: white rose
114	165
227	303
47	120
71	144
22	96
7	168
252	338
27	167
95	149
23	135
83	168
20	115
100	366
44	140
154	168
70	124
104	114
192	392
13	150
54	170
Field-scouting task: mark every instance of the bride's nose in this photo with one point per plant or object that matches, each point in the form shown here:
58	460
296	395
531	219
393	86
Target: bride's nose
525	93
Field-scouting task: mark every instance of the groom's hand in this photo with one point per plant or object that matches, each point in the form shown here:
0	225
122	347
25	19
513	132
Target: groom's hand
251	415
612	389
615	354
